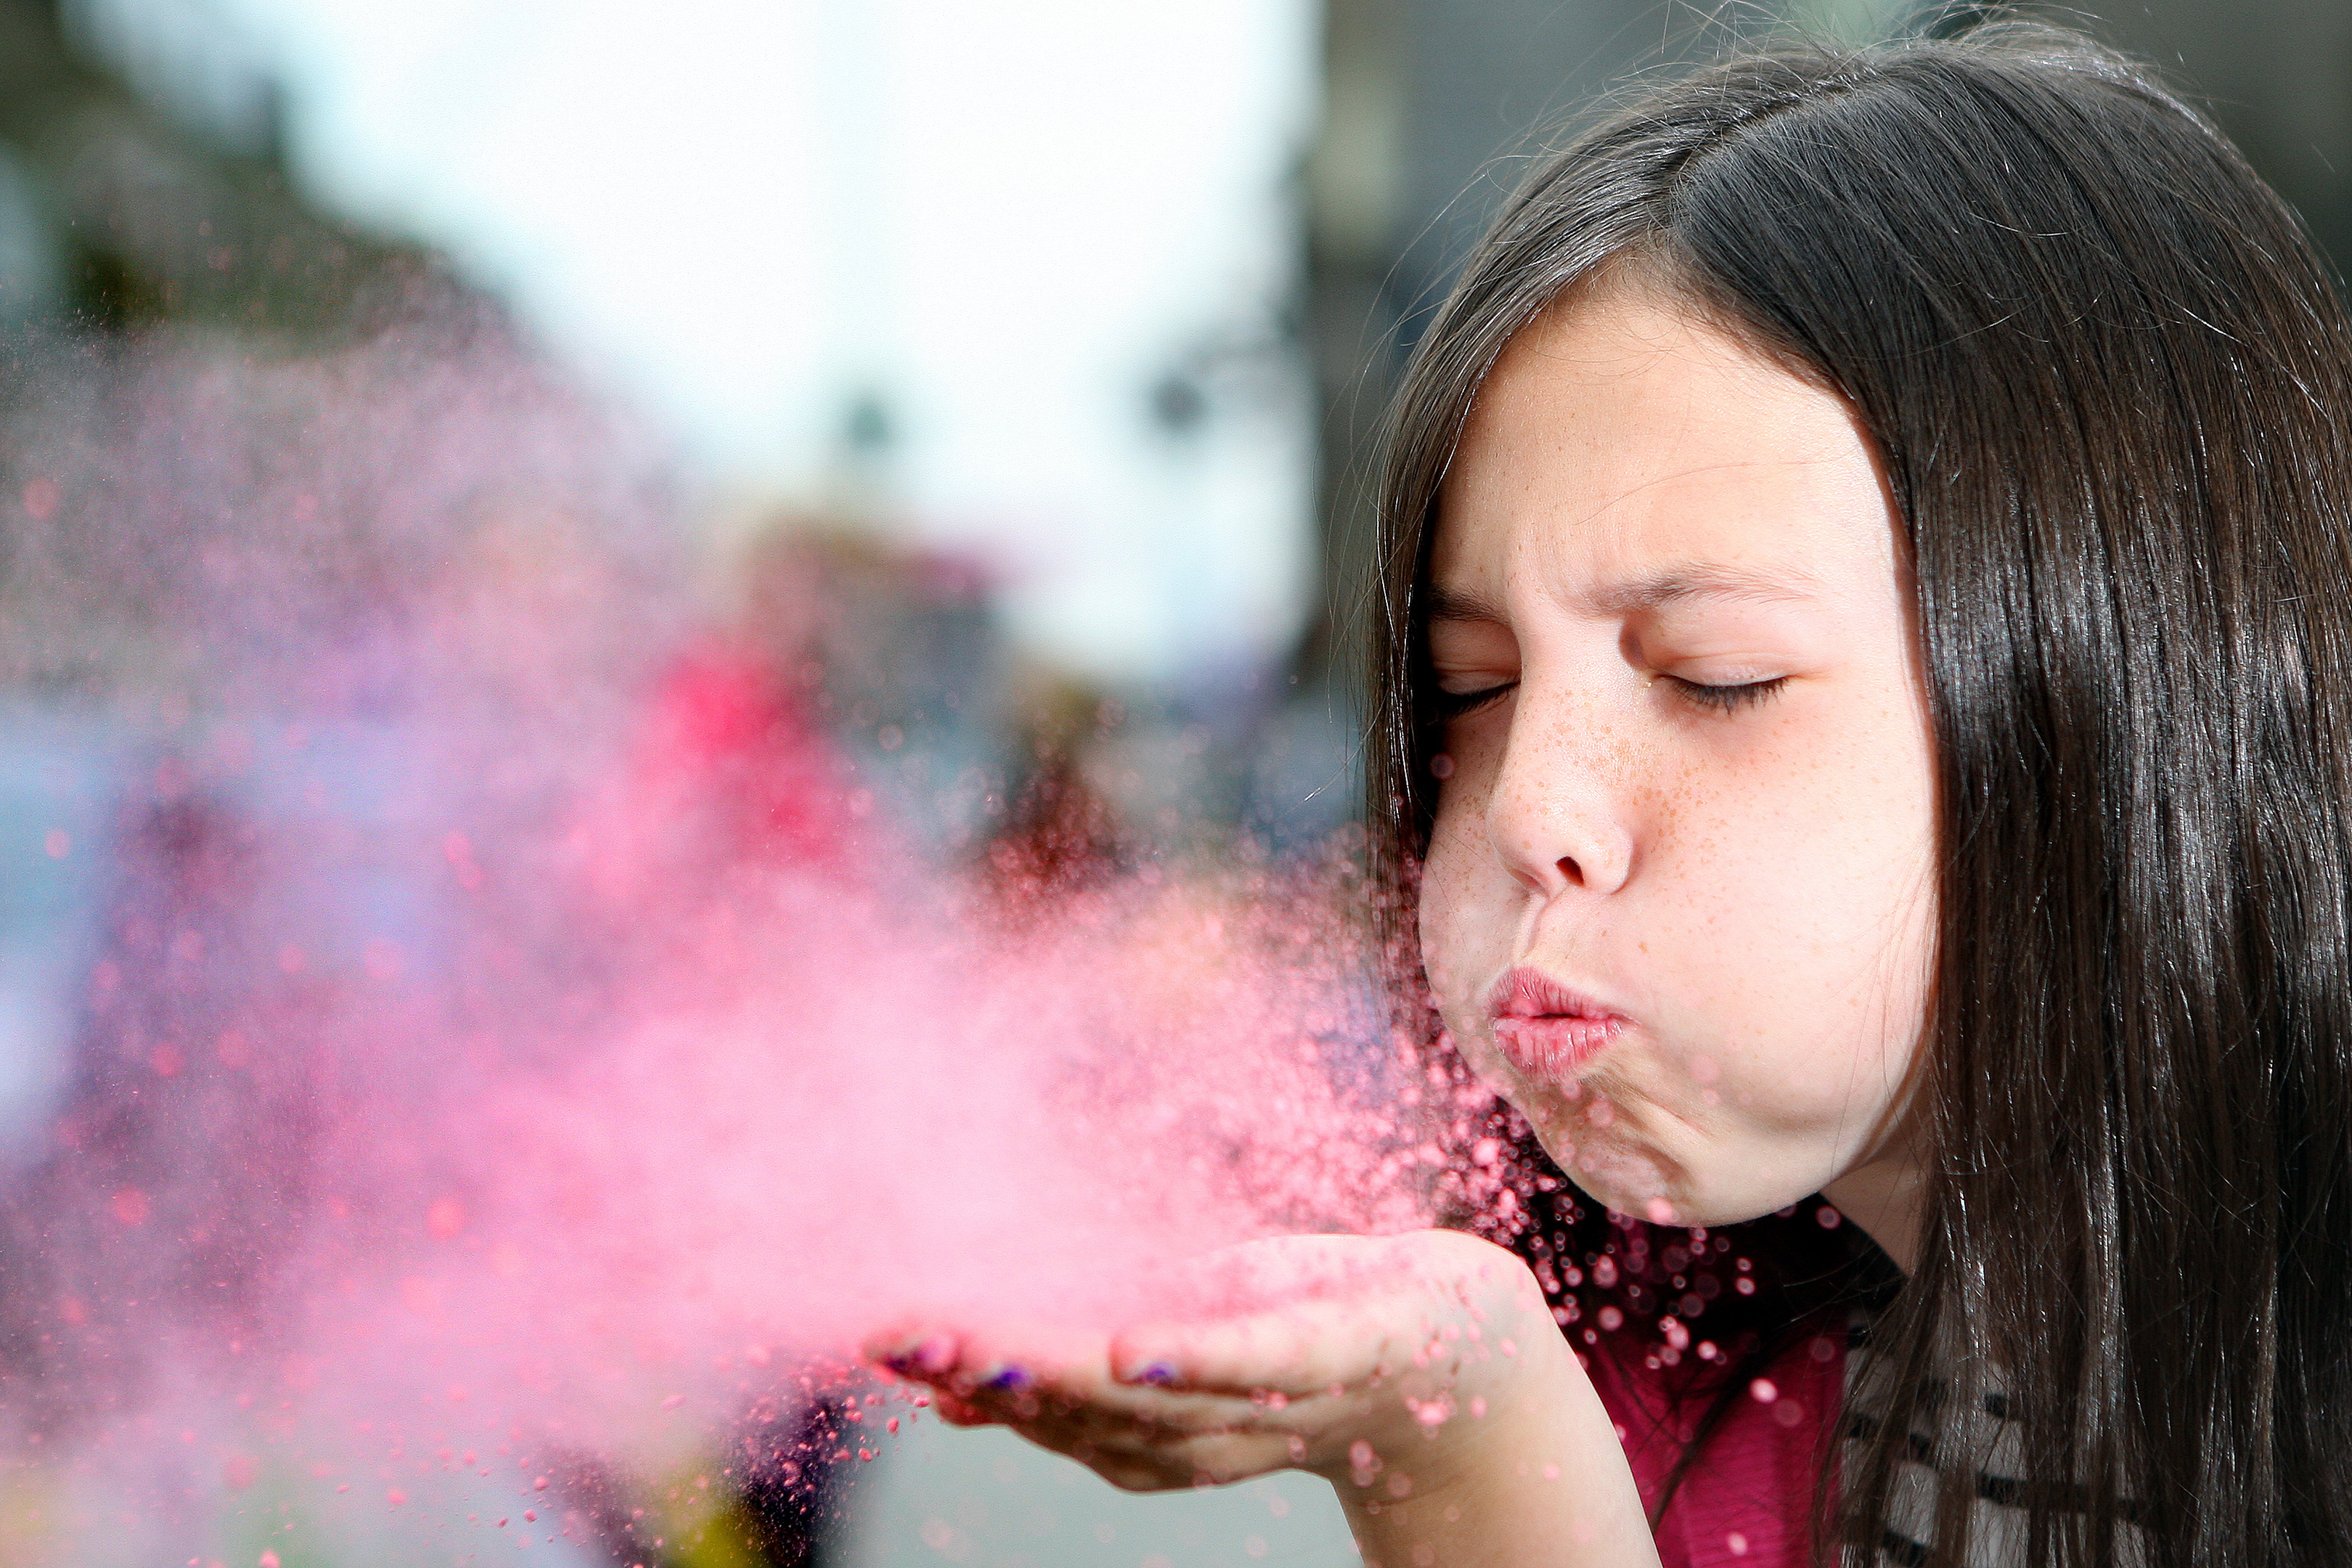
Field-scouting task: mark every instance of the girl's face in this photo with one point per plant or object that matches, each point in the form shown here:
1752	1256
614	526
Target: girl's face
1678	903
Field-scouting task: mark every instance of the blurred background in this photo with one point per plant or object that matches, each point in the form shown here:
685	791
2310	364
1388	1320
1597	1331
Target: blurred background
997	386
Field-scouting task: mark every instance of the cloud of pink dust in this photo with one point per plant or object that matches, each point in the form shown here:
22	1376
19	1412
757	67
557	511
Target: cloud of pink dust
515	1031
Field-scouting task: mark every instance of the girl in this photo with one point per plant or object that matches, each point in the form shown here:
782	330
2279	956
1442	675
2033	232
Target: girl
1862	695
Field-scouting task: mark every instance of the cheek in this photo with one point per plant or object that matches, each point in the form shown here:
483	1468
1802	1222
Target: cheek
1807	930
1461	925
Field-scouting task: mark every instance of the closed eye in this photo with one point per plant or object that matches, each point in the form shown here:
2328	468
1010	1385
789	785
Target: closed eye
1728	698
1461	704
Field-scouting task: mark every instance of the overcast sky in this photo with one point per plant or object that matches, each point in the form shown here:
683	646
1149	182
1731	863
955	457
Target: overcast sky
1010	222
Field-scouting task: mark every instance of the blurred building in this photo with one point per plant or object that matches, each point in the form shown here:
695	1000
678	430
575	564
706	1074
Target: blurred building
1011	282
142	180
2277	75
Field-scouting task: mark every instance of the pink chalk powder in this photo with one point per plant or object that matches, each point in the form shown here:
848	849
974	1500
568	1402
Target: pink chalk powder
520	1044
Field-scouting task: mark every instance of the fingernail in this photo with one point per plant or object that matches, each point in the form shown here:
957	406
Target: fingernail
918	1355
929	1353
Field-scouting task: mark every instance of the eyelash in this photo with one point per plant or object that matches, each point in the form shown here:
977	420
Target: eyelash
1450	705
1728	699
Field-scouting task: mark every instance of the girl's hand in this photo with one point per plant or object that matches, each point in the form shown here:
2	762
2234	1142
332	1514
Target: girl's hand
1341	1355
1420	1374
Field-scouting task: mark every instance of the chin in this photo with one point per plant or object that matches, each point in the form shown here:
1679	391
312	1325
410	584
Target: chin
1631	1180
1637	1181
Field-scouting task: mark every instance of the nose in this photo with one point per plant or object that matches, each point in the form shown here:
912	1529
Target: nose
1553	819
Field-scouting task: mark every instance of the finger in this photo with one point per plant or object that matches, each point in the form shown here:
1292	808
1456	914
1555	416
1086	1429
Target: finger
1275	1437
915	1349
1130	1458
1216	1459
1129	1476
1015	1377
1291	1353
1008	1357
1113	1407
957	1413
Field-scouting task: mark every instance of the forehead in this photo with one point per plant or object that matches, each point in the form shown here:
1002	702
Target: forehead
1620	435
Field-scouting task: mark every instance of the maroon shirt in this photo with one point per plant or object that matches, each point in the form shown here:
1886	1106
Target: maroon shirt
1749	1500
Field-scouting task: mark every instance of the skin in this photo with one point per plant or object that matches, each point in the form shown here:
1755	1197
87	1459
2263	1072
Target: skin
1702	792
1691	778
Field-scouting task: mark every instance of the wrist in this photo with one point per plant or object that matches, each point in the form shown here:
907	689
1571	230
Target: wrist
1467	1402
1539	1477
1504	1427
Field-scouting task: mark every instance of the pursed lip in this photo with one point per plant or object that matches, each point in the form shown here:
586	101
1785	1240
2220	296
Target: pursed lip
1546	1030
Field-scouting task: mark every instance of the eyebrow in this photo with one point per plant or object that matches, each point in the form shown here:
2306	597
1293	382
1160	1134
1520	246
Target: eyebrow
1458	605
1673	585
1708	580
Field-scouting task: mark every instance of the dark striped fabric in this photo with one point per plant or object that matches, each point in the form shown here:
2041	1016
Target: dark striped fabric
1982	1436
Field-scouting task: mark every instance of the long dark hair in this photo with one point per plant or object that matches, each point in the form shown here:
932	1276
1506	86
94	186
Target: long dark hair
2111	385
